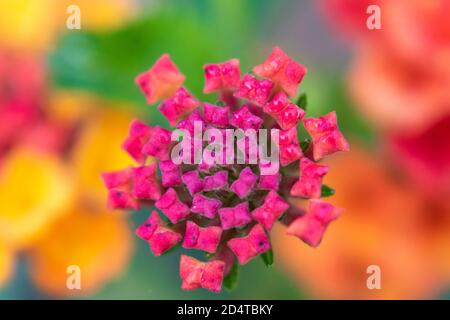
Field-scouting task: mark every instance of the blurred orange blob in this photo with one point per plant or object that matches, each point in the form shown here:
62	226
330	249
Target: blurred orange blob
35	189
34	25
381	226
396	95
96	241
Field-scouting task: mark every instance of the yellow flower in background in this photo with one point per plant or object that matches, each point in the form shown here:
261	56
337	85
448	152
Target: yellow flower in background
95	240
27	24
35	189
98	150
31	24
6	262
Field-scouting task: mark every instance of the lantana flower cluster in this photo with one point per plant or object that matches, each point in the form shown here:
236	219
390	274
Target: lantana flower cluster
226	210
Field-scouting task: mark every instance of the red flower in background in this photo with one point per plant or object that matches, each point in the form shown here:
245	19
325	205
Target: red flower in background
400	78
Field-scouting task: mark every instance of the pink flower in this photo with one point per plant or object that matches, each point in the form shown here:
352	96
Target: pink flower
206	239
245	183
138	136
193	182
205	206
196	274
282	70
311	227
161	80
172	207
145	183
188	123
286	113
159	237
222	77
309	184
218	180
289	147
170	173
158	144
181	104
119	184
254	90
244	119
120	199
117	179
235	217
215	115
268	181
325	134
271	210
248	247
211	201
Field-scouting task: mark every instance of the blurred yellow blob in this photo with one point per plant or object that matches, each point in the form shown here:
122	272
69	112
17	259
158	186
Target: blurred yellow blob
6	263
31	24
379	226
98	242
27	23
98	149
69	107
34	191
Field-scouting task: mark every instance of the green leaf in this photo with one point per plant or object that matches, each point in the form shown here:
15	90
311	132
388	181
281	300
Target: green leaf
327	191
302	101
267	258
231	279
304	145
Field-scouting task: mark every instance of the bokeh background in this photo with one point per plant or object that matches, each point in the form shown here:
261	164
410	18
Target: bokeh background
67	97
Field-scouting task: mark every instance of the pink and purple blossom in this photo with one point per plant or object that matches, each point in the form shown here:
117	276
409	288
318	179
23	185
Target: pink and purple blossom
226	209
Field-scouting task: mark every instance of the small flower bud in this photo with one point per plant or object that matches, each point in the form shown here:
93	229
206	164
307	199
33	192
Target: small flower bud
250	246
172	207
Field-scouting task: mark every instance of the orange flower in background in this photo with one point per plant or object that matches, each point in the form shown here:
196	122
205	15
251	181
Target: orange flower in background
98	242
52	145
46	173
395	95
382	225
36	24
55	215
48	178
